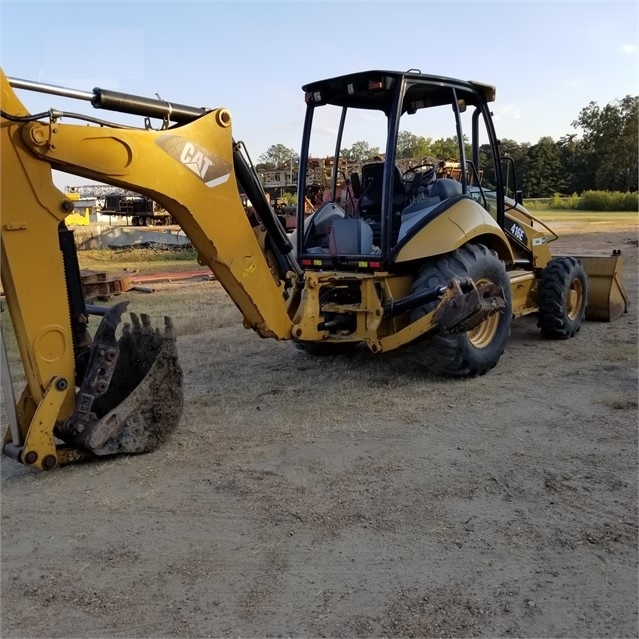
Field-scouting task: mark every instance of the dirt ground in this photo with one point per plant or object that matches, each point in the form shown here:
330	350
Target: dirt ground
350	497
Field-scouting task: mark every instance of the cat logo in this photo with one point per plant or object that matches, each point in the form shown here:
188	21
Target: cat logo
195	160
209	167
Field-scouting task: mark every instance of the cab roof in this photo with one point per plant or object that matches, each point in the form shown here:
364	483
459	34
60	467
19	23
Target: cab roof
374	89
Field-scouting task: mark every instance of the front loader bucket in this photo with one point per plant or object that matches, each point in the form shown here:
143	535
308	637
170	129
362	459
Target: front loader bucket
144	399
607	299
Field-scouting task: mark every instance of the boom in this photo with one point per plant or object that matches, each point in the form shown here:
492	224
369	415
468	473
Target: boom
188	169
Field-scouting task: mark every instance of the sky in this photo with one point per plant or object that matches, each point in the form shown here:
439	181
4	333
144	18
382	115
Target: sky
548	60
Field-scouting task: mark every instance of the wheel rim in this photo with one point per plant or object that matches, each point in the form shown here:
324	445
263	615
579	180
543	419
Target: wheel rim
574	299
484	333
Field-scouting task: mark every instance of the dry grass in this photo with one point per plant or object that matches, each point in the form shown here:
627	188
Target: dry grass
617	219
143	260
195	307
620	402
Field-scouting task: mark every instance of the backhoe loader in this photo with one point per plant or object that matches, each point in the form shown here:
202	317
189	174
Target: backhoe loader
436	265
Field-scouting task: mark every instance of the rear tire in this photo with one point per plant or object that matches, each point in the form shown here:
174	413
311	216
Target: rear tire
478	350
562	297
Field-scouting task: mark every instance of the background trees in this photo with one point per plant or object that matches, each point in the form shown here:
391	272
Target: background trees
609	143
544	173
276	156
410	145
360	151
602	155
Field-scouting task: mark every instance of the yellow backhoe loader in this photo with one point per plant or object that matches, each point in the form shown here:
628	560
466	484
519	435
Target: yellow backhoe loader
436	265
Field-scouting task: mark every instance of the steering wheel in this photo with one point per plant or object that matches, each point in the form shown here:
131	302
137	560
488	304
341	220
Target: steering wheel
418	179
429	173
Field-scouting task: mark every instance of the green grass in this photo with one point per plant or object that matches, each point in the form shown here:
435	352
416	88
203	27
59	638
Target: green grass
588	201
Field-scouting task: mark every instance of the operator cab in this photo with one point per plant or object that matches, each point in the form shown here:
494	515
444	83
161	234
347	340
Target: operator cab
421	162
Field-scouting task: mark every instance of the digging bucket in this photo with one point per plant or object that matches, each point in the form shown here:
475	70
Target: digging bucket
143	400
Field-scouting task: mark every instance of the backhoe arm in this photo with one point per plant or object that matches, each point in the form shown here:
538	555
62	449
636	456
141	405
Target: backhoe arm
189	170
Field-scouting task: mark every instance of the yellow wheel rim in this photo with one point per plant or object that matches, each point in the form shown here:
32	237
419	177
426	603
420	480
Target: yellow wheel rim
484	333
574	299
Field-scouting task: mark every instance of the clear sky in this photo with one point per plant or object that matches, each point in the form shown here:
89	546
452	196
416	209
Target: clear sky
548	60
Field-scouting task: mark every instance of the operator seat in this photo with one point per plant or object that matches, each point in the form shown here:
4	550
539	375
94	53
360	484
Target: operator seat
369	204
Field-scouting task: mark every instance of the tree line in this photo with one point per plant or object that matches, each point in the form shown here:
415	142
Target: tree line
605	156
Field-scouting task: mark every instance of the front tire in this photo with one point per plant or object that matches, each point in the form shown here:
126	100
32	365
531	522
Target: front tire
478	350
563	293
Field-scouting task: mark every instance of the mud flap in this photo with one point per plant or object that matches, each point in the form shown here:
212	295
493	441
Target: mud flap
132	395
607	299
